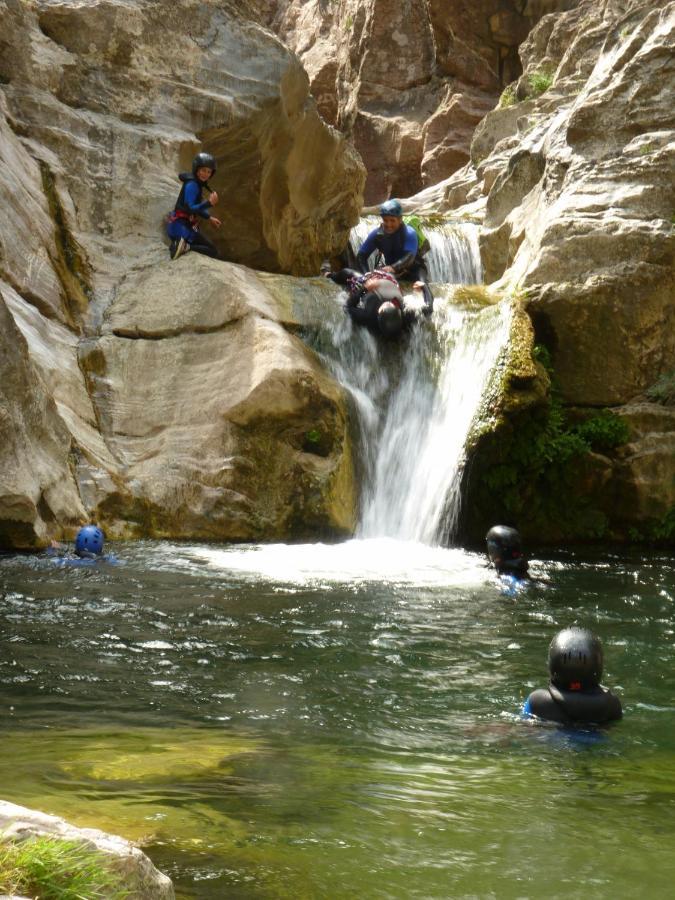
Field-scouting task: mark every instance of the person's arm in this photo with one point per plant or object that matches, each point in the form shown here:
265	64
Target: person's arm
409	252
193	201
366	248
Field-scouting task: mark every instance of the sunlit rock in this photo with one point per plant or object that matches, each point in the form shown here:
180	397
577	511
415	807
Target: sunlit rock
138	875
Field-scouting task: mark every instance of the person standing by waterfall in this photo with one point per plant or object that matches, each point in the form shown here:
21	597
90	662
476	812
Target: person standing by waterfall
398	244
183	223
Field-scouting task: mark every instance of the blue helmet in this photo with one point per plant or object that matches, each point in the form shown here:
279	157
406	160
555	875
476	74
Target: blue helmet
391	208
89	540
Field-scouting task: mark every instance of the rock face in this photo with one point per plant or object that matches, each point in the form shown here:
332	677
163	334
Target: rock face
139	877
158	398
194	413
115	97
576	184
237	432
410	80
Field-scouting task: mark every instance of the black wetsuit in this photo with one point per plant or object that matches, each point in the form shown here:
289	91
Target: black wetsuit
363	305
596	706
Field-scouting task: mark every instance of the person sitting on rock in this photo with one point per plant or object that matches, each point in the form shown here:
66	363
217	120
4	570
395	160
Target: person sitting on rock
574	695
398	244
374	300
183	223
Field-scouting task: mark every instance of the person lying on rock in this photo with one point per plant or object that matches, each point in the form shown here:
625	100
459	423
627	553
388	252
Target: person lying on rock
574	695
183	223
398	244
374	300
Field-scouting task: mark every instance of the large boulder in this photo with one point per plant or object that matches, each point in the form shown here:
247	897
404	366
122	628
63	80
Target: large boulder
236	431
136	88
137	874
101	103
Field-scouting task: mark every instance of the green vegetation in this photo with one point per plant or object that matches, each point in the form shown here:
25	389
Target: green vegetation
51	869
540	81
538	468
313	436
663	391
508	97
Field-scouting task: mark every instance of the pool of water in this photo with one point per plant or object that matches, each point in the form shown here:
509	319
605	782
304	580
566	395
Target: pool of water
341	721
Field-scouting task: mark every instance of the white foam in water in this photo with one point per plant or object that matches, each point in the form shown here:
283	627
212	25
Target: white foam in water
382	560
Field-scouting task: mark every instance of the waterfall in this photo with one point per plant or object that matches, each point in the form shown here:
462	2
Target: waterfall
454	257
414	401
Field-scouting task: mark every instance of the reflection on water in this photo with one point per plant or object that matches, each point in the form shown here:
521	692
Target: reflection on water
340	721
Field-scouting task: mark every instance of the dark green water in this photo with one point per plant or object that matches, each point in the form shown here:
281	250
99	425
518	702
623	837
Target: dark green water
284	722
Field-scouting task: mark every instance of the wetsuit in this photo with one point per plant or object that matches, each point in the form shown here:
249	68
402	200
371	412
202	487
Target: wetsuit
401	252
362	305
596	706
184	220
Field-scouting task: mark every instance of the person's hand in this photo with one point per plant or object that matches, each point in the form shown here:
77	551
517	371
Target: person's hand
418	286
213	198
215	222
387	269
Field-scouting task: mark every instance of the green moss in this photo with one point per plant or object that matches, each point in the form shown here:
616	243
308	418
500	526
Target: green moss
539	82
508	97
54	869
663	391
69	262
537	468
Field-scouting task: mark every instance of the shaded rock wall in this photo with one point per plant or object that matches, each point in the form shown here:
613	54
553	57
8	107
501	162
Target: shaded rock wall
410	80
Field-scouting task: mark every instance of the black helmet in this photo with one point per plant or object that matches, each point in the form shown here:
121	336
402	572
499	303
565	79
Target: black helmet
389	319
203	159
504	549
575	660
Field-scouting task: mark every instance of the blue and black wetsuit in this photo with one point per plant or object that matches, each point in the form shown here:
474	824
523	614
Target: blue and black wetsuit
184	220
401	252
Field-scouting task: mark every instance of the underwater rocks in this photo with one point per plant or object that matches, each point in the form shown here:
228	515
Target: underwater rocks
137	874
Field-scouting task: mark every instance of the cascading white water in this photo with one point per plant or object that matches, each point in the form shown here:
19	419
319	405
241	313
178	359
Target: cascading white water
414	490
415	401
454	257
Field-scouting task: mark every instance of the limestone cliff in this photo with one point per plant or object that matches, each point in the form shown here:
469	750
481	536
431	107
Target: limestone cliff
162	400
407	80
574	179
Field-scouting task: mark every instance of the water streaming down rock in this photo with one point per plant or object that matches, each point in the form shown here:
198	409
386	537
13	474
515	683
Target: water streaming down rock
454	257
415	401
